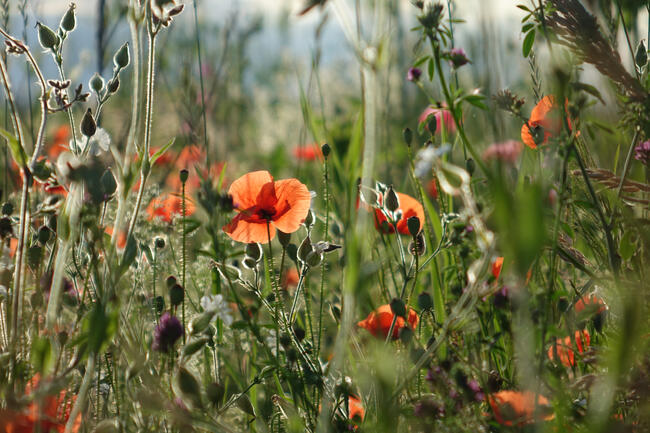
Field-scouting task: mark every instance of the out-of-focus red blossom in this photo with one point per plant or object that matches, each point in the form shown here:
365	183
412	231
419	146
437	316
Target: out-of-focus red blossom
552	196
409	207
518	408
432	189
13	246
49	414
290	278
189	156
121	237
53	188
308	152
60	142
497	264
590	304
356	410
444	119
507	151
546	119
168	206
564	348
163	160
378	322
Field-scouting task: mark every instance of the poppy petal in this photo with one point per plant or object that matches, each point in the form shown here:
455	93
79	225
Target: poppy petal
245	190
293	202
244	231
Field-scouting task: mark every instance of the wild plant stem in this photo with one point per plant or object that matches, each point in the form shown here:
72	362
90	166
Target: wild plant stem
325	238
184	253
80	402
198	50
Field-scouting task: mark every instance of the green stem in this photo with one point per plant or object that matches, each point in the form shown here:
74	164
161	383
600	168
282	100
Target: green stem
184	253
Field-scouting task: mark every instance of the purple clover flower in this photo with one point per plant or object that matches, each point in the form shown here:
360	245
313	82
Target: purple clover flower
642	152
167	332
458	57
413	74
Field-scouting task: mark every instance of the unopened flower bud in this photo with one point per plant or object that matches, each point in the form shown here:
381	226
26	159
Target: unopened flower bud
121	57
184	174
407	134
470	166
44	234
7	208
314	259
113	85
109	185
305	249
160	243
641	57
417	247
170	281
425	301
68	22
176	294
398	308
47	37
432	124
88	125
96	83
326	149
310	219
284	238
254	251
413	74
391	201
413	224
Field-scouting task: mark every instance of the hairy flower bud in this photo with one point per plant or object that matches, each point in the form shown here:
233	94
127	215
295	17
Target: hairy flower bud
88	125
407	134
68	22
391	201
47	37
121	58
413	224
96	83
326	149
641	57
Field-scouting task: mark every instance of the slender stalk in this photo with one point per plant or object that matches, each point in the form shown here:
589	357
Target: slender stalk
323	265
184	253
80	402
197	35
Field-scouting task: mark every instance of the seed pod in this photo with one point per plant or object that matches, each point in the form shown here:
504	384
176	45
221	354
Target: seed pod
326	149
284	238
641	57
305	249
88	125
391	201
121	58
96	83
109	185
160	243
425	301
314	259
470	166
44	234
7	208
184	174
68	22
170	281
47	37
113	85
244	403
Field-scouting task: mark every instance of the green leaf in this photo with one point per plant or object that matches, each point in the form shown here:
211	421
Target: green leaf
627	247
431	70
17	151
160	152
42	354
527	27
421	61
477	101
529	40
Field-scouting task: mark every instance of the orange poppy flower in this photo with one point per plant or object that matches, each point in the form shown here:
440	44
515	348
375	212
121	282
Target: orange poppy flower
497	264
409	207
121	237
168	206
545	121
355	409
291	278
59	142
48	415
564	348
516	408
189	156
378	322
591	304
309	152
260	200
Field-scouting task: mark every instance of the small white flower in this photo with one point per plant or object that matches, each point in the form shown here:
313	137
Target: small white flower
220	307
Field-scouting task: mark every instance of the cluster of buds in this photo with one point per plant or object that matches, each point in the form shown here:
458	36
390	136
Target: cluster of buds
164	11
61	97
430	19
15	47
311	255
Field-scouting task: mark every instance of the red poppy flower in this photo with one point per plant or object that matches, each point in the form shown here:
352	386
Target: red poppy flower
309	152
545	121
443	116
47	415
60	142
565	349
378	322
590	305
516	408
189	156
168	206
291	278
193	182
121	237
260	200
355	409
497	264
409	207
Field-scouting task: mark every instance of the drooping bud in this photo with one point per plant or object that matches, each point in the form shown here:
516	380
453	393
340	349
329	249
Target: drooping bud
391	201
121	59
170	281
96	83
407	134
184	175
44	234
109	185
470	166
284	238
47	37
68	22
310	219
413	224
88	125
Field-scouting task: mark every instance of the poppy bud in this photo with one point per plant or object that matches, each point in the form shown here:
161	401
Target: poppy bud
310	219
5	227
184	174
326	149
170	281
176	294
113	85
299	333
44	234
305	249
397	307
407	135
314	259
391	201
96	83
470	166
406	335
249	263
284	238
425	301
413	224
160	243
432	124
34	255
109	185
7	208
215	393
254	251
641	57
121	57
68	22
47	37
88	125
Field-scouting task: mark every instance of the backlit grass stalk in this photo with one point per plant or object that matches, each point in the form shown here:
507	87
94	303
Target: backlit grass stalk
184	248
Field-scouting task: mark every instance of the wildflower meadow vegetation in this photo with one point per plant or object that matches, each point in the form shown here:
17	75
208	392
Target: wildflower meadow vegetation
443	231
